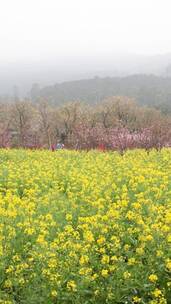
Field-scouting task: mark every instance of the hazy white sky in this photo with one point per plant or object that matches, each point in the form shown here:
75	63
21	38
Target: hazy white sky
35	29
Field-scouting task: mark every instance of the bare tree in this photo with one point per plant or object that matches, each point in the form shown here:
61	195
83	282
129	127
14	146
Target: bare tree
45	116
22	116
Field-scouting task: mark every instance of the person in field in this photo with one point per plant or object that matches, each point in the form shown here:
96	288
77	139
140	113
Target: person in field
101	147
53	148
59	146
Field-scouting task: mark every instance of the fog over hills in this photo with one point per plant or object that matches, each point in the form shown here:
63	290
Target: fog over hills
56	70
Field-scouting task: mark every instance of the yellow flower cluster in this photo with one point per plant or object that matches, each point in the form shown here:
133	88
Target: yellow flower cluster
78	227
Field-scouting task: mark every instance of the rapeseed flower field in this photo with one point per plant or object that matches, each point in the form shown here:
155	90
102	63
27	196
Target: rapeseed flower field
78	227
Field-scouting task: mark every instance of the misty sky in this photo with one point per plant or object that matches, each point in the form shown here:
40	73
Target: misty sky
37	29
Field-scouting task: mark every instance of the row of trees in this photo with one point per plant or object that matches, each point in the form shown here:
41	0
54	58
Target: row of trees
118	123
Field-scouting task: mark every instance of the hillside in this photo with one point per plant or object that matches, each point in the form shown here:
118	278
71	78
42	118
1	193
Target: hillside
47	71
146	89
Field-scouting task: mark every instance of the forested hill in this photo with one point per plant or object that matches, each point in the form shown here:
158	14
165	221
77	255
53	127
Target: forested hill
146	89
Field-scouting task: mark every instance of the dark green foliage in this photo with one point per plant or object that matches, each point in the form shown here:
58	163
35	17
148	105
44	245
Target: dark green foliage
146	89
